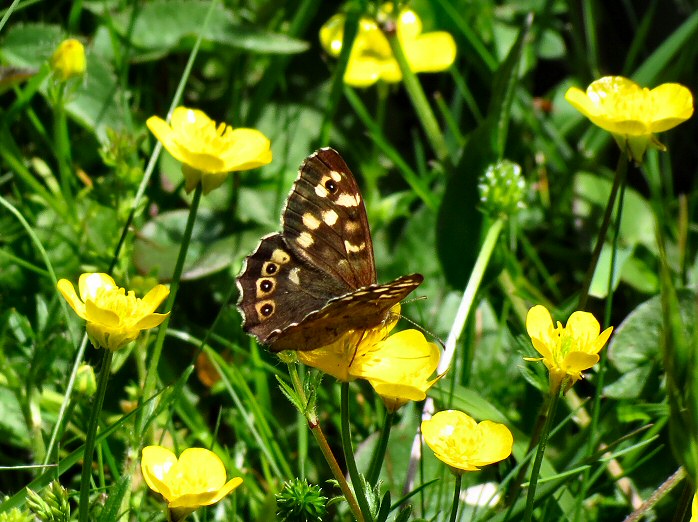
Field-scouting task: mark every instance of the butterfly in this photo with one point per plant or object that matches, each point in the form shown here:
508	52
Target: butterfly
306	286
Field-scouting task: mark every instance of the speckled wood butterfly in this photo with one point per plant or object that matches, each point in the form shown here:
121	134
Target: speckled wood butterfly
306	286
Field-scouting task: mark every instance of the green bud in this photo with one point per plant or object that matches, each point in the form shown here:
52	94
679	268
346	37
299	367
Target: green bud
85	381
15	515
298	501
502	189
52	505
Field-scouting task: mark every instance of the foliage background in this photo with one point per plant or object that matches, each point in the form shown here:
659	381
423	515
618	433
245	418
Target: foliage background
260	65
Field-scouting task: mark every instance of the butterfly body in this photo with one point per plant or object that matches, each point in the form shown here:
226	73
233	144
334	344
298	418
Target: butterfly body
305	287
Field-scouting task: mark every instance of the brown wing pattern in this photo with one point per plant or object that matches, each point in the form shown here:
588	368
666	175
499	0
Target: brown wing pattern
325	221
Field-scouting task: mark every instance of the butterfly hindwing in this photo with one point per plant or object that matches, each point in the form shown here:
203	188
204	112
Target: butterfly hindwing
325	220
276	288
362	309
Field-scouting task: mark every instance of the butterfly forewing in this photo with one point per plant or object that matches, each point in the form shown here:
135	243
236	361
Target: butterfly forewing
325	221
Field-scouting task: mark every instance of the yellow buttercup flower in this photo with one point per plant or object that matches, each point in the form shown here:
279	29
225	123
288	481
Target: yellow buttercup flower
633	114
196	479
399	367
209	151
114	317
463	444
337	359
68	60
371	58
566	350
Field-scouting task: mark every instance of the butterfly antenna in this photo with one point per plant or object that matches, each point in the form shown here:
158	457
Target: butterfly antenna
426	332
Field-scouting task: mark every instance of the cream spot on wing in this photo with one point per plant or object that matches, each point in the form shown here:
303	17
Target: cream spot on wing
336	176
305	240
293	275
348	200
280	257
330	217
310	221
321	191
350	227
353	248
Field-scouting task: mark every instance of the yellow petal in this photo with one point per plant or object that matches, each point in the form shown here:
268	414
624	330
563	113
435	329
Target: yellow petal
67	290
673	104
409	25
602	339
576	362
332	33
583	324
150	321
247	149
101	317
431	52
156	463
90	283
538	322
580	101
497	443
154	298
226	489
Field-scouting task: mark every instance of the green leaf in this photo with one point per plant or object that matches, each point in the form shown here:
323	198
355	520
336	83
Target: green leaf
158	243
634	349
165	25
30	45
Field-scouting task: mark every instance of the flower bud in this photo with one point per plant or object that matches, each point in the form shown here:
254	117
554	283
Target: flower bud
502	189
68	60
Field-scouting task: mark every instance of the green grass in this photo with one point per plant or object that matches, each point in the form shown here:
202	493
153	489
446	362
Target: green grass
84	187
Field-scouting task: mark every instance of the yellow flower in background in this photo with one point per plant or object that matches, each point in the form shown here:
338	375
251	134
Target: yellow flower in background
633	114
566	350
196	479
114	317
463	444
371	58
68	60
399	368
209	152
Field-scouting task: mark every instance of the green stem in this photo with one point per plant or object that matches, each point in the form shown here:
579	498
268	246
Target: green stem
553	399
151	376
62	146
316	430
419	100
456	497
84	504
379	453
621	170
466	303
349	454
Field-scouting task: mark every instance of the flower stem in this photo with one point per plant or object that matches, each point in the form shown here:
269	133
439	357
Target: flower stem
84	505
621	170
419	100
466	303
349	454
456	497
319	435
379	452
151	376
553	401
